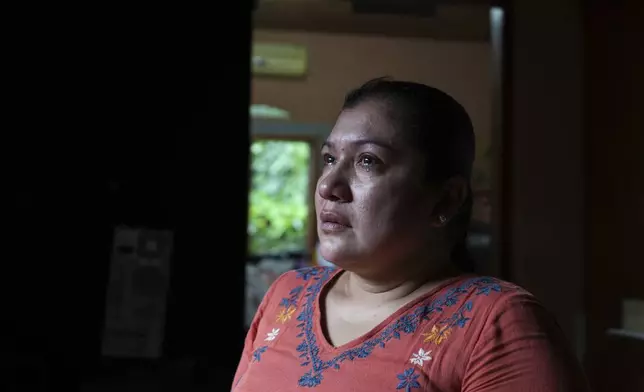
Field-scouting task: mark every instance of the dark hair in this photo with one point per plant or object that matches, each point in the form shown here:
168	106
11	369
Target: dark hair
441	127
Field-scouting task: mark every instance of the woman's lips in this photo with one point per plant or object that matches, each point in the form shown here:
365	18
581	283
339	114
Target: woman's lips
333	222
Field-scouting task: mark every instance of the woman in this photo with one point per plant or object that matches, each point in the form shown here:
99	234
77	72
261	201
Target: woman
402	310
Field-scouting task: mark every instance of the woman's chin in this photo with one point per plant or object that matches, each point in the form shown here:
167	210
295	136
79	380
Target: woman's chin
338	256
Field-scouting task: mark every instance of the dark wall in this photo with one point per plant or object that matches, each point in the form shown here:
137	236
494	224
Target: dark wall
575	172
117	116
546	163
615	153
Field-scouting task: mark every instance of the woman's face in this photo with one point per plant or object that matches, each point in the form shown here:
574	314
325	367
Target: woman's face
372	202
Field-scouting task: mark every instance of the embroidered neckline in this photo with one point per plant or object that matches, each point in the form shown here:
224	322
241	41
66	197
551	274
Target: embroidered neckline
325	345
407	323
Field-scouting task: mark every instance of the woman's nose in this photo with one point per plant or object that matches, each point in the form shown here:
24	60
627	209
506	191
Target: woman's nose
334	186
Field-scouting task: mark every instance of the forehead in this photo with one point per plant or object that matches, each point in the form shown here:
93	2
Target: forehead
366	121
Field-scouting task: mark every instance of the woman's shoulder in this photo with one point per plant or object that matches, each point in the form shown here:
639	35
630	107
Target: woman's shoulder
512	307
293	284
303	277
494	308
484	288
509	328
483	309
482	300
486	293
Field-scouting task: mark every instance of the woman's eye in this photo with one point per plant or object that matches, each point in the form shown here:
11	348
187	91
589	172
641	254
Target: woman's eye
328	160
368	162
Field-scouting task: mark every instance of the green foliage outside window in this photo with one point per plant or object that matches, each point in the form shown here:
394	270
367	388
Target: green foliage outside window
278	203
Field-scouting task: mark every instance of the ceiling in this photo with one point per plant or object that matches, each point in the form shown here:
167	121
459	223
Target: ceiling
451	20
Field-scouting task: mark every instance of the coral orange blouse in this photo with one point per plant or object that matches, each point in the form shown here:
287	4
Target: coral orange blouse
470	334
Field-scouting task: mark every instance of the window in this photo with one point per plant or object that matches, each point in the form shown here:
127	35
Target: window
280	207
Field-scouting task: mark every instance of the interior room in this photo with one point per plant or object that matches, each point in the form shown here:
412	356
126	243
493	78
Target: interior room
164	161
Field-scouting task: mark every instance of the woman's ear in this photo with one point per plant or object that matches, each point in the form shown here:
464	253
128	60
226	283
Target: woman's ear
453	194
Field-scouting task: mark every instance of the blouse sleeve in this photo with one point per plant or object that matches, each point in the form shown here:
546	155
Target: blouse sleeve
522	348
247	353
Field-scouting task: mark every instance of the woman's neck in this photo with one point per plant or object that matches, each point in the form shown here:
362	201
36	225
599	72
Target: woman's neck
396	285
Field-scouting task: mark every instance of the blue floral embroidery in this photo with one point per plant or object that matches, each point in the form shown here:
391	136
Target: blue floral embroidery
306	273
257	354
458	318
309	351
408	380
287	302
311	379
485	290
